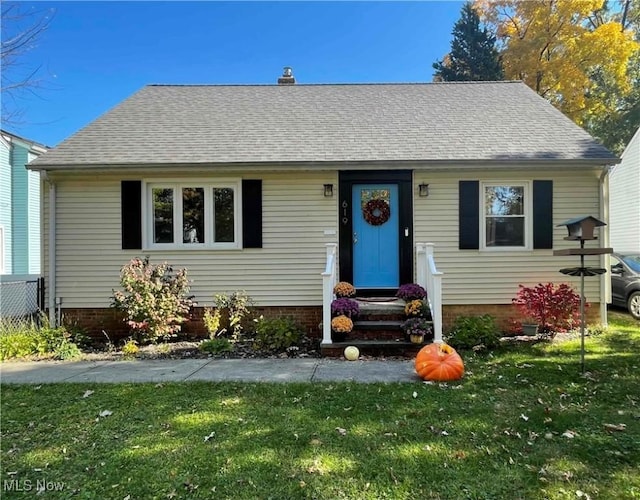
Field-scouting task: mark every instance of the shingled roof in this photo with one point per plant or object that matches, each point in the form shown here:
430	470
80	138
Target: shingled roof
451	123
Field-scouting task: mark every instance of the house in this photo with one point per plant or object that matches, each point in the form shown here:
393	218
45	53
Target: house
250	187
19	205
624	190
19	227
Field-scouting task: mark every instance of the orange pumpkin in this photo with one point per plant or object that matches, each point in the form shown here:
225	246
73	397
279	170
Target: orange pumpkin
439	362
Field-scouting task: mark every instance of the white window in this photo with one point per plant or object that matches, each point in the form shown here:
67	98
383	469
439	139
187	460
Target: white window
194	215
505	221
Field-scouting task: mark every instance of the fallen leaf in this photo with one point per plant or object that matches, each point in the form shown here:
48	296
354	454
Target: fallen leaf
105	413
615	427
341	431
415	394
87	393
524	417
569	434
206	438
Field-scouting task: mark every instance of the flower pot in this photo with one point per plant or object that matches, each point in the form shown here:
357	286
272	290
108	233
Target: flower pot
530	329
338	336
416	339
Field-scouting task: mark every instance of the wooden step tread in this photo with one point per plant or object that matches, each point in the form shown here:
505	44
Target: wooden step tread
377	324
373	347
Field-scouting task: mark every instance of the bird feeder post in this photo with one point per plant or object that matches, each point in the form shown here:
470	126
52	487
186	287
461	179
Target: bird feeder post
581	229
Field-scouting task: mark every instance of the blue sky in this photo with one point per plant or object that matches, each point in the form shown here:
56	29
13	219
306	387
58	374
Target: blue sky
95	54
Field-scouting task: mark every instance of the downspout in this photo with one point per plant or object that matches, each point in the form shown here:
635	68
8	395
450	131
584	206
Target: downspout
605	281
52	253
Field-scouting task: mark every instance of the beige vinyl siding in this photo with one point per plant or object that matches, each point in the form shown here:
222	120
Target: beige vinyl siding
492	276
286	271
624	192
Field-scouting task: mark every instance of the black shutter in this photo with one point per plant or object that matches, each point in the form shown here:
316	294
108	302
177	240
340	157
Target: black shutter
252	213
542	214
131	216
468	215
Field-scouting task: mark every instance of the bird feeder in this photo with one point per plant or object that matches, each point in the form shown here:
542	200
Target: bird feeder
581	229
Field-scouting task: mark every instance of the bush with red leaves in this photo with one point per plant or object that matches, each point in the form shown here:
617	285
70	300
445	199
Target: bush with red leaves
556	308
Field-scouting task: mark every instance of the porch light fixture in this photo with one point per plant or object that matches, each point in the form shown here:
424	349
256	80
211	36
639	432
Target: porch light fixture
328	190
423	190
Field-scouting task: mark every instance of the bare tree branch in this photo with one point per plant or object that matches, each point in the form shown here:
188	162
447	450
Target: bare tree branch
22	29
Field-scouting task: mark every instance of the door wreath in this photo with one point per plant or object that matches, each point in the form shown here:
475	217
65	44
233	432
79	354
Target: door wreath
376	212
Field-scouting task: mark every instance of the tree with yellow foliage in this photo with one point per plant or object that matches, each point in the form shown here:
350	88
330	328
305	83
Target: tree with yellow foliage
576	53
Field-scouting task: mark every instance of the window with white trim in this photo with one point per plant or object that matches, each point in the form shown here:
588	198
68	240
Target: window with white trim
193	215
506	213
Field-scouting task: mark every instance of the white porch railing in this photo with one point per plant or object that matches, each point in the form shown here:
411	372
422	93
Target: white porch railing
329	280
430	278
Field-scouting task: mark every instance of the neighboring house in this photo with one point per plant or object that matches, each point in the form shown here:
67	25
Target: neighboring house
19	205
245	185
624	190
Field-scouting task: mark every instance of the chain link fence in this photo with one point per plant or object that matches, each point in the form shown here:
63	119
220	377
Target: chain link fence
21	297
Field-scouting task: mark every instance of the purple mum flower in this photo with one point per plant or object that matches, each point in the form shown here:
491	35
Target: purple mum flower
346	307
411	291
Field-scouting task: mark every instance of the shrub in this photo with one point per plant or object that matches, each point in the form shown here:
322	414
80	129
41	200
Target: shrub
345	307
212	319
276	334
78	334
66	350
130	349
17	345
27	338
154	300
474	331
232	309
216	346
556	308
411	291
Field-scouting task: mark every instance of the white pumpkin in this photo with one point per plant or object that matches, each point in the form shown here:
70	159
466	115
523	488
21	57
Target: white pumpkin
351	353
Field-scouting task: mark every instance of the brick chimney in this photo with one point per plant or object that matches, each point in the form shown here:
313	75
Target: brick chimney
287	77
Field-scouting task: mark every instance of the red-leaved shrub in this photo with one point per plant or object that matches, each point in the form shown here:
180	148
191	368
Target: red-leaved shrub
556	308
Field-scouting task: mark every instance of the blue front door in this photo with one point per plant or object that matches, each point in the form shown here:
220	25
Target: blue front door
376	254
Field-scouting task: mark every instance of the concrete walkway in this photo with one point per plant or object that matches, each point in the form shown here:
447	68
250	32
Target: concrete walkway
212	370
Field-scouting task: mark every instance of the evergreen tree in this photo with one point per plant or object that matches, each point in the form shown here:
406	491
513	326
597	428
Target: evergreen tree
473	55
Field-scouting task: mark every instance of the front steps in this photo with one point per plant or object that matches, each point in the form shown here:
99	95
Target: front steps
376	331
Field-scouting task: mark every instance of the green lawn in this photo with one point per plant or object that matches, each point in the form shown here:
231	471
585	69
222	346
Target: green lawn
523	423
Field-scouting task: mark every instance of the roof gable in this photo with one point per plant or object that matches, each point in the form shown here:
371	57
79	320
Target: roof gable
227	124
